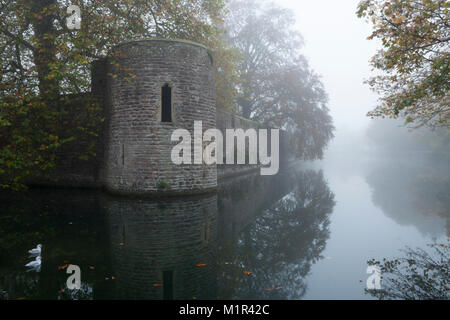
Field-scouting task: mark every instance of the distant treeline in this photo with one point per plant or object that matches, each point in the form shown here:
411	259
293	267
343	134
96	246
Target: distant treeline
393	138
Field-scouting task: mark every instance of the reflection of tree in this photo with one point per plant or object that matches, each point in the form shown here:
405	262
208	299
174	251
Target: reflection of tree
413	194
419	275
155	246
243	198
282	244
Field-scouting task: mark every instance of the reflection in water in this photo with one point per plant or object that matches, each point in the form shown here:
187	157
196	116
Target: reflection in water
413	194
420	275
165	249
281	245
256	239
243	198
71	228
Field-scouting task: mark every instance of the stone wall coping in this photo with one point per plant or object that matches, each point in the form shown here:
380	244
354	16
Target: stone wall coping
163	40
156	39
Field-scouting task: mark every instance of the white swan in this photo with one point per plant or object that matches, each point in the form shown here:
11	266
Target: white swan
36	251
34	265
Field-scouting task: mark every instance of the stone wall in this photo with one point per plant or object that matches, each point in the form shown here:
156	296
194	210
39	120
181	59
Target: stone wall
138	143
133	148
226	120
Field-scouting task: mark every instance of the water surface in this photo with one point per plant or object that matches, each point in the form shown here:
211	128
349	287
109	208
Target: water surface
306	233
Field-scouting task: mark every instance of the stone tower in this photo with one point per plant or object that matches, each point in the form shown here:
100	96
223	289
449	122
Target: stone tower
154	87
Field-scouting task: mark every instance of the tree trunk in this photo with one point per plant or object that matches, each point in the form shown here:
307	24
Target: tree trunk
245	106
45	51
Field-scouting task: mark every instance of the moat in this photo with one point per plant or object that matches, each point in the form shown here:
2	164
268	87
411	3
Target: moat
306	233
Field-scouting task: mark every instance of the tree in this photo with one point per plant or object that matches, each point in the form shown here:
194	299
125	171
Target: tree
277	87
42	61
414	61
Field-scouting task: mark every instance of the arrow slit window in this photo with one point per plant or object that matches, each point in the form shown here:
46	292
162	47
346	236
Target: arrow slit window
166	103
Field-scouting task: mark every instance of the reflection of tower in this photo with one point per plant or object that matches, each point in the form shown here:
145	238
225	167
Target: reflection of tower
163	249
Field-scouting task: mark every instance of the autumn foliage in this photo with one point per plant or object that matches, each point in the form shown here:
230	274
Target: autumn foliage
414	61
43	64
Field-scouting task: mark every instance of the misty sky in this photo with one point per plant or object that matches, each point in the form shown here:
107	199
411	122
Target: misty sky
337	48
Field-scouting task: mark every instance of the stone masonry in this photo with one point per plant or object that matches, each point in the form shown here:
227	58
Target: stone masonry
134	145
138	145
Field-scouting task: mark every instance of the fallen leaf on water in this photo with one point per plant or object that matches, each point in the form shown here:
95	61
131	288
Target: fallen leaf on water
113	278
248	273
121	244
277	288
20	298
157	285
201	265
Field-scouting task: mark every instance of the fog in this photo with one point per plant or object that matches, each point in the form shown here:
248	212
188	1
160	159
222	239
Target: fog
391	183
337	48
